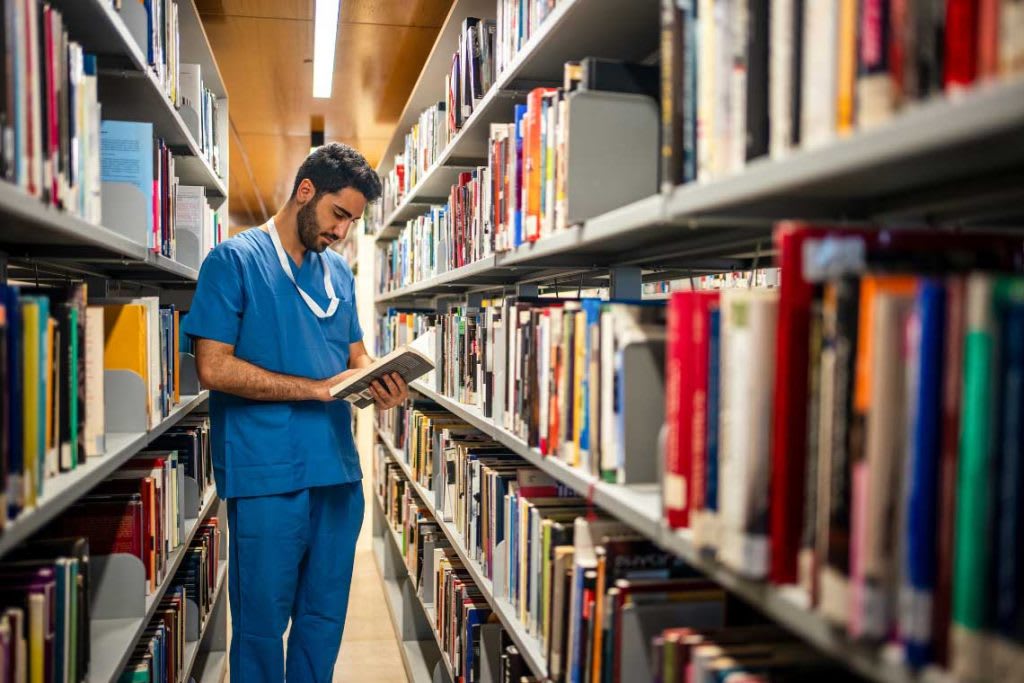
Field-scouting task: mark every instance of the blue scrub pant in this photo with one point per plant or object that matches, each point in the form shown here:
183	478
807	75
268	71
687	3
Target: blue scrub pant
291	557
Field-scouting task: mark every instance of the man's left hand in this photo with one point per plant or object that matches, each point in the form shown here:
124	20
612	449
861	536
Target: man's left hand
389	391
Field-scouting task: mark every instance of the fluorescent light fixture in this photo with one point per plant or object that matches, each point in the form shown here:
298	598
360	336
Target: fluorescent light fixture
325	36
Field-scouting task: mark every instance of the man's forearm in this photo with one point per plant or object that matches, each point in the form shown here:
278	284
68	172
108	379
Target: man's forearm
360	362
233	375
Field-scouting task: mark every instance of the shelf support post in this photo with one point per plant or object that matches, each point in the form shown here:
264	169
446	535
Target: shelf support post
625	283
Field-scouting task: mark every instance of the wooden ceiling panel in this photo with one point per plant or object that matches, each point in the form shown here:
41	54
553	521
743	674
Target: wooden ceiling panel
264	49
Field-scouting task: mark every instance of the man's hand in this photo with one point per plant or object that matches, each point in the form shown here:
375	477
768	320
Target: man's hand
323	388
389	391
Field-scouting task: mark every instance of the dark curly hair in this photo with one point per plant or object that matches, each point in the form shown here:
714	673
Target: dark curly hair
335	166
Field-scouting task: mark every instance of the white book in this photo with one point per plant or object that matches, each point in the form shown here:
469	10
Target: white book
737	145
748	361
95	418
544	371
820	77
706	89
608	433
722	20
780	82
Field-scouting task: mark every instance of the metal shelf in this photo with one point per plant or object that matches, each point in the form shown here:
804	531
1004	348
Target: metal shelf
428	611
528	645
63	490
213	667
479	272
113	640
640	507
36	232
416	654
99	28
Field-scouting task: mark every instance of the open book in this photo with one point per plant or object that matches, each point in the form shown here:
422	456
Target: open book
409	362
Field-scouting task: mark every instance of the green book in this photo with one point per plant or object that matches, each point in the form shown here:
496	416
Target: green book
975	482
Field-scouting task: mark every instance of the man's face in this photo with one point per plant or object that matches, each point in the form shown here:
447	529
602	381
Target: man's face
326	219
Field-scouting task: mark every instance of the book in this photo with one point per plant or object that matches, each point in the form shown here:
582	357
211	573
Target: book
407	361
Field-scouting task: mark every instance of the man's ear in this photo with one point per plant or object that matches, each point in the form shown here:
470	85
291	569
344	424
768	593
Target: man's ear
305	191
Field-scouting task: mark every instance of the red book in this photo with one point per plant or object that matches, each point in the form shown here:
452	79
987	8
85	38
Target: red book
112	525
686	375
948	463
789	417
51	132
988	38
961	65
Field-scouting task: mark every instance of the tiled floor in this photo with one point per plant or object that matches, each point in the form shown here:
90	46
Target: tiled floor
369	650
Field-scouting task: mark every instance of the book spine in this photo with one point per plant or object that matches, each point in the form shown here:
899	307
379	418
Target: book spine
974	481
1011	38
819	73
710	514
757	95
696	404
808	559
676	418
988	39
691	81
847	66
843	301
875	101
961	44
922	485
948	467
782	41
673	78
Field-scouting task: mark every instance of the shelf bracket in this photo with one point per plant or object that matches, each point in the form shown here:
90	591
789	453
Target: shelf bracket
527	289
625	283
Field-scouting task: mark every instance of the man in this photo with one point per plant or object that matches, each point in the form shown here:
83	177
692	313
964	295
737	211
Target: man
275	326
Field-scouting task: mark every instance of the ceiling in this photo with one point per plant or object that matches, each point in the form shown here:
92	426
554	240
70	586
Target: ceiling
264	49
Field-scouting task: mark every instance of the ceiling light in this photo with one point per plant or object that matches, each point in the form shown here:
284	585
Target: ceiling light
325	36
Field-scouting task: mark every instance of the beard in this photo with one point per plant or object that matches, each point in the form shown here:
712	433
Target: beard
309	229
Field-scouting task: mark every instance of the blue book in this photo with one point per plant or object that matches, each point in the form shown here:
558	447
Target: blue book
691	33
714	372
925	431
517	228
1009	560
475	617
592	312
15	443
126	156
60	635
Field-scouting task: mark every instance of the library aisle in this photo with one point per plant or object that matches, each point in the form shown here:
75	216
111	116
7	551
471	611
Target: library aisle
666	341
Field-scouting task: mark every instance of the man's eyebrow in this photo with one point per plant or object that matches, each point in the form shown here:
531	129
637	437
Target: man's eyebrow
342	209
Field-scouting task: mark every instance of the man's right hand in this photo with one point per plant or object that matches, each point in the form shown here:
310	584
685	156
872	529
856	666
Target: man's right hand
322	391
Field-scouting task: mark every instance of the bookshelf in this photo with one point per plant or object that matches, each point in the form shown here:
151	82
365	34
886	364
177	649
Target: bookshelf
41	243
420	656
114	639
528	645
62	491
953	160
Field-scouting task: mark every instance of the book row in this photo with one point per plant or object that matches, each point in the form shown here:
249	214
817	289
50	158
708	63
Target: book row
470	76
523	193
182	82
45	592
145	201
159	656
475	646
586	587
58	351
853	430
49	111
745	79
518	21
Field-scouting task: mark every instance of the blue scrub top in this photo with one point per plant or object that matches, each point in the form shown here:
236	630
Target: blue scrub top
244	298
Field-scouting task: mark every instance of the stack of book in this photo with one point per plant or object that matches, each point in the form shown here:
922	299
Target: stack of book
203	108
865	445
471	641
159	655
518	21
763	77
49	112
142	191
44	611
51	393
472	72
55	347
138	511
190	439
741	653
